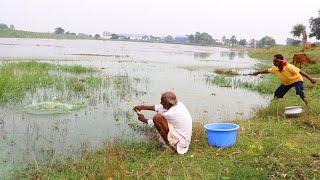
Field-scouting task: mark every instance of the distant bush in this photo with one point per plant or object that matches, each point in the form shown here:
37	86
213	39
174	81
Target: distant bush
293	42
4	26
266	41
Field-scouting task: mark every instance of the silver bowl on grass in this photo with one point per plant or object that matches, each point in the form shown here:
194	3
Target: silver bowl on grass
293	111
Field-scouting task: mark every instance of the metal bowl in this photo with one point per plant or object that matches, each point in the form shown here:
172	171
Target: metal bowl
293	111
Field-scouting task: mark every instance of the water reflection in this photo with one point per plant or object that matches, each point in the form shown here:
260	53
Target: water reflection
201	55
241	54
230	54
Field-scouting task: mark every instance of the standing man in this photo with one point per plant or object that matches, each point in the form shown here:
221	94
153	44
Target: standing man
289	76
173	121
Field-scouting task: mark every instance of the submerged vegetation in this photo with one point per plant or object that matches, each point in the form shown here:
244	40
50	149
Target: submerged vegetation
227	72
46	108
16	79
77	69
265	85
41	91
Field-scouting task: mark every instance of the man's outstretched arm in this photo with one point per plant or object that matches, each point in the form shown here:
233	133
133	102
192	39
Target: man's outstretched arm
313	81
260	72
143	107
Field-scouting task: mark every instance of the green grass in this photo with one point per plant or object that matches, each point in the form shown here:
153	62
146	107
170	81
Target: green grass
77	69
16	79
220	80
268	53
313	69
27	34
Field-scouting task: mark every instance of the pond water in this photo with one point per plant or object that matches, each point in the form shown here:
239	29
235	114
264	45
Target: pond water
145	70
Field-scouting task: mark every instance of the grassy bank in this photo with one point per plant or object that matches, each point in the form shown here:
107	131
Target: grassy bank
6	33
269	146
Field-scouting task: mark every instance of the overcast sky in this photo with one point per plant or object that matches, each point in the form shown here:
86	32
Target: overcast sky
243	18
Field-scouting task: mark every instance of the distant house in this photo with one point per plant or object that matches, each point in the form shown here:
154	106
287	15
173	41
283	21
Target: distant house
145	38
106	35
181	39
137	37
121	37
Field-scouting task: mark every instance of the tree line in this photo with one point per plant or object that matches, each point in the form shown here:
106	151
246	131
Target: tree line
60	30
299	32
199	38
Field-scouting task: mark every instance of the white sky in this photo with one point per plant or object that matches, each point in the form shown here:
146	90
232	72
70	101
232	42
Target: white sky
243	18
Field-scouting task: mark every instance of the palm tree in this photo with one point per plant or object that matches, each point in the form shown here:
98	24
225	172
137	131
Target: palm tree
299	30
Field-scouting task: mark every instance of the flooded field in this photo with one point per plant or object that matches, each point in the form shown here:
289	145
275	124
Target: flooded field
125	74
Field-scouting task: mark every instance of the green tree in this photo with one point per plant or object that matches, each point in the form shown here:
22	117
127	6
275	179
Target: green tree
191	38
97	36
12	28
169	38
315	27
292	42
206	38
266	41
253	43
114	36
4	26
155	38
197	37
233	40
299	30
201	38
59	30
243	42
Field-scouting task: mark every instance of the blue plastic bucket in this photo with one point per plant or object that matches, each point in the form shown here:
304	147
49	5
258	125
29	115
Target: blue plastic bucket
221	134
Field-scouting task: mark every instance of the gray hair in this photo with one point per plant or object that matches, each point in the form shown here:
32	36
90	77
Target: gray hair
170	97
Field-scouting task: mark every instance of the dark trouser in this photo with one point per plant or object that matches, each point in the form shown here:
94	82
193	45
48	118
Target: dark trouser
283	89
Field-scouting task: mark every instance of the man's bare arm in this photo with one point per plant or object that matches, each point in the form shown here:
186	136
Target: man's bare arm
143	107
313	81
260	72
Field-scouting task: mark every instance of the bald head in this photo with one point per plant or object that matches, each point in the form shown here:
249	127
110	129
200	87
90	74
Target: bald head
168	99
